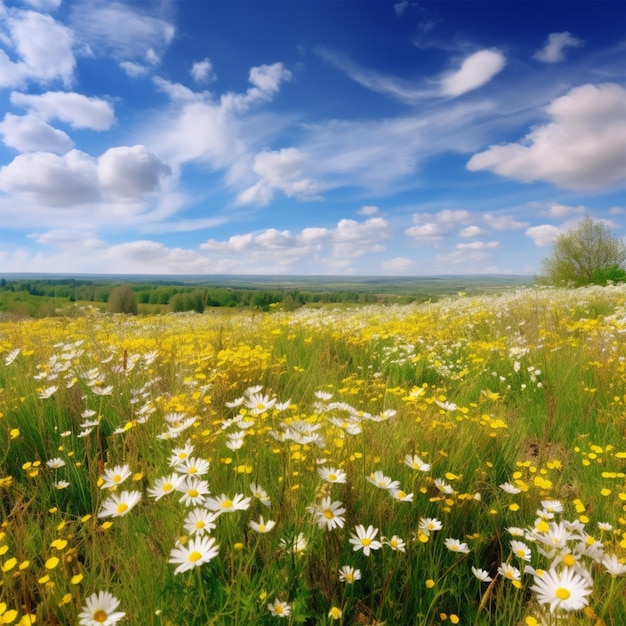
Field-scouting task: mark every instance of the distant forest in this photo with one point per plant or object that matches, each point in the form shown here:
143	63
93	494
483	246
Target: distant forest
40	297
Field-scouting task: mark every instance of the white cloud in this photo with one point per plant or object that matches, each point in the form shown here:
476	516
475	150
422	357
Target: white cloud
552	51
120	30
581	149
476	70
503	222
280	170
312	247
400	7
556	210
44	5
198	128
398	264
75	178
134	70
203	72
368	210
428	231
130	172
478	245
43	46
544	234
433	226
28	133
467	254
73	108
472	231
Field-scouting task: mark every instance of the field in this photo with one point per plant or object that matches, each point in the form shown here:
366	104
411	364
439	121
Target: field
452	462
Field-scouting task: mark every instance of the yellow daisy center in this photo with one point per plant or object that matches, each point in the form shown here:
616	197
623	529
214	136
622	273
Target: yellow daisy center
200	524
328	514
401	494
122	507
279	609
520	552
332	476
262	528
167	487
569	560
366	541
117	478
562	593
226	504
194	556
193	470
100	616
193	493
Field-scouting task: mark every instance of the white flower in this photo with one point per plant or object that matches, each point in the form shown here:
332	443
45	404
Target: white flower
194	554
260	493
481	574
332	475
509	488
414	462
328	515
165	485
115	476
279	609
520	550
99	610
395	543
349	575
194	491
400	496
454	545
613	566
193	466
509	571
200	521
262	526
429	524
364	539
566	590
224	504
55	463
383	482
118	505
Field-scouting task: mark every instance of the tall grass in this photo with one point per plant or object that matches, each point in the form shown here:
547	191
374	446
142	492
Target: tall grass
495	419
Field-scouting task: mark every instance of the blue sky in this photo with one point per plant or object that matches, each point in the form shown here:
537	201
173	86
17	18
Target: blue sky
306	137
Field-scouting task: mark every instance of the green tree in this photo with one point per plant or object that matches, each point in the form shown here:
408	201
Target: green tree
122	300
582	251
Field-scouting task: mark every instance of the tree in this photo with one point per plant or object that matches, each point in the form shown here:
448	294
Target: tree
583	255
122	300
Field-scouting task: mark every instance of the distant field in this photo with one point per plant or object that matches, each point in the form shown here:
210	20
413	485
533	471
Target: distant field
40	295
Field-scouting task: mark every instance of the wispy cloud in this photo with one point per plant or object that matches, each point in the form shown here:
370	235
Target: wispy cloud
552	51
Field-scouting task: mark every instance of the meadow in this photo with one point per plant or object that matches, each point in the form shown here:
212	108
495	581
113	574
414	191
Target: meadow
455	462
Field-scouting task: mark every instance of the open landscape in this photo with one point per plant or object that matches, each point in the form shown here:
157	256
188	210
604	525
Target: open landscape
453	462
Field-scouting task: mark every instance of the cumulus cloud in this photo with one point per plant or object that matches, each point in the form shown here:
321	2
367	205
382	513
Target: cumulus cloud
130	172
198	128
134	70
433	226
503	222
581	149
544	234
556	210
468	253
76	178
476	70
552	51
203	72
77	110
313	246
280	170
368	210
472	231
28	133
398	264
43	47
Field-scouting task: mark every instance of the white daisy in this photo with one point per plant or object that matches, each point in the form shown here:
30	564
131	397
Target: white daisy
364	539
99	610
566	590
195	553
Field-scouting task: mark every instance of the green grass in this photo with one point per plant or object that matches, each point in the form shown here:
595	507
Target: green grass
526	388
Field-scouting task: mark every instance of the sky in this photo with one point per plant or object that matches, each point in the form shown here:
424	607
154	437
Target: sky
319	137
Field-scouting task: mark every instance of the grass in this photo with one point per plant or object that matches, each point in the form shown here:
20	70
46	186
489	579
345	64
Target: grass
510	409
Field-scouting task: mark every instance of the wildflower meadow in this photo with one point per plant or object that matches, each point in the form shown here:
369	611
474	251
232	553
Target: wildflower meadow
457	462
